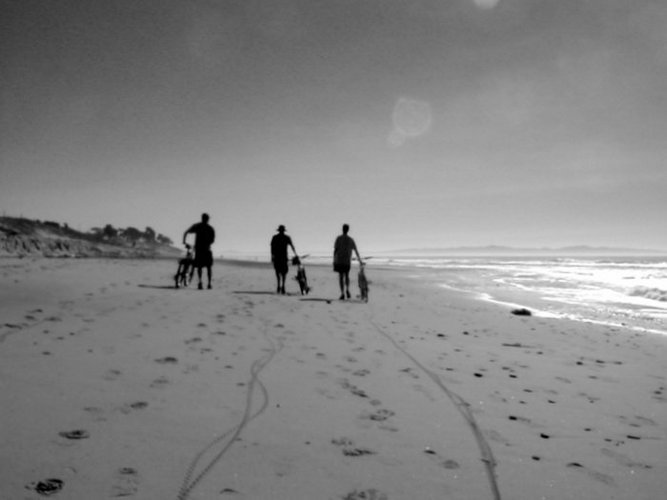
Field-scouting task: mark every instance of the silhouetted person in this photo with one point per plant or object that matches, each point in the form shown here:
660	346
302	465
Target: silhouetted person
279	244
204	238
342	260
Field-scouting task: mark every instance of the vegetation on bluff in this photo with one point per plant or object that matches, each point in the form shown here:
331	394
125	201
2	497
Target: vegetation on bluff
27	237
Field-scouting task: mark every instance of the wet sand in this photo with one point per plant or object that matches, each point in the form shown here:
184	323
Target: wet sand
116	385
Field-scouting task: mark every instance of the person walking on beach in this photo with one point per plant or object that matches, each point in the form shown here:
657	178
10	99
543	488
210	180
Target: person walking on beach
204	238
279	258
342	260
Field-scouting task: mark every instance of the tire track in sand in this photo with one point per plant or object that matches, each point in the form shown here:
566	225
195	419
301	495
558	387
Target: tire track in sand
226	440
463	408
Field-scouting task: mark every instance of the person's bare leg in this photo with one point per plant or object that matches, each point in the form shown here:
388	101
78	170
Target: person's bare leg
341	282
347	284
209	274
199	272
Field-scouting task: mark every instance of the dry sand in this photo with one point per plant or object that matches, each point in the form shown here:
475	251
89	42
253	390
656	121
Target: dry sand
115	385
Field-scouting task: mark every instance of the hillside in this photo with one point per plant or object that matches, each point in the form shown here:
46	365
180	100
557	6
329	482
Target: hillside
21	237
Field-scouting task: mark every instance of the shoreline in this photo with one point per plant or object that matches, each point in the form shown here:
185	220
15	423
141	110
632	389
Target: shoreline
119	385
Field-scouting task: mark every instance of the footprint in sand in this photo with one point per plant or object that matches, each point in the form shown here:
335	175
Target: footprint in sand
370	494
493	435
47	487
524	420
591	399
357	452
349	449
409	371
126	482
353	389
75	434
160	382
624	459
167	360
380	415
130	407
598	476
229	491
637	421
112	375
448	464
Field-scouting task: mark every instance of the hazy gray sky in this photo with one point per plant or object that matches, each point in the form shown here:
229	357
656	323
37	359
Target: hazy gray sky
420	123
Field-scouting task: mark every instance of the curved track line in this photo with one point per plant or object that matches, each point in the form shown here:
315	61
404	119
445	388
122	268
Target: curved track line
463	408
230	436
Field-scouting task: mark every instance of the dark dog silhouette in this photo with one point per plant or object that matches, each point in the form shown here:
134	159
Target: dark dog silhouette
363	283
301	276
186	269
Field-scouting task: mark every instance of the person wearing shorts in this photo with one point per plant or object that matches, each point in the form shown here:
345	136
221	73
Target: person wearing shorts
279	248
342	260
204	238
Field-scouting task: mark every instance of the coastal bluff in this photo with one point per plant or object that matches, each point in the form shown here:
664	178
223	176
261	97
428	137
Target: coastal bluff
21	237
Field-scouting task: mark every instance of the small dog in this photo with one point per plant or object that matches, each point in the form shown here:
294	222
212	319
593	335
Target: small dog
301	275
186	268
363	283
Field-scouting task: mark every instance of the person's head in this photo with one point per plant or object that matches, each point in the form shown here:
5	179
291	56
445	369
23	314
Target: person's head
346	228
281	229
204	217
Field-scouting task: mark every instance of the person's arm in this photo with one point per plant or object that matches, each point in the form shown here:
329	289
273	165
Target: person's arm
357	252
185	234
292	245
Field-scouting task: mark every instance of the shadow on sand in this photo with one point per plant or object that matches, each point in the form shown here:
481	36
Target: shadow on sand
158	287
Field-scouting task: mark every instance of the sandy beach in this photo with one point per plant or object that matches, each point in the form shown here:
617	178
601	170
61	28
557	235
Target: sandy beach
116	385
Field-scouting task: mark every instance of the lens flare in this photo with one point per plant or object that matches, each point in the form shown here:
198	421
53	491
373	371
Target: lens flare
411	118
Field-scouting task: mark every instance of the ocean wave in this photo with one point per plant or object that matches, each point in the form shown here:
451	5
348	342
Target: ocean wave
650	293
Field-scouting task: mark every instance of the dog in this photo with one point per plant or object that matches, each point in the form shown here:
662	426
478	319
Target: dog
301	275
363	283
186	268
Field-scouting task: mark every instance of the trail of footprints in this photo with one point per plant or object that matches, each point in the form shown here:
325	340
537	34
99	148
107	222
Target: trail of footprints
126	479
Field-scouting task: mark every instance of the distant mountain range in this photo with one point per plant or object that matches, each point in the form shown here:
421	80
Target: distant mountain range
505	250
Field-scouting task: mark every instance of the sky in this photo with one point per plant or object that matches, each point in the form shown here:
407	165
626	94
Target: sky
428	123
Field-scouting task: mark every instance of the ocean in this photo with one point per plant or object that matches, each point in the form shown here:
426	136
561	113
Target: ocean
618	291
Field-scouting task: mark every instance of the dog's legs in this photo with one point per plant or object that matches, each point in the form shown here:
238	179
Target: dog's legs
177	278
